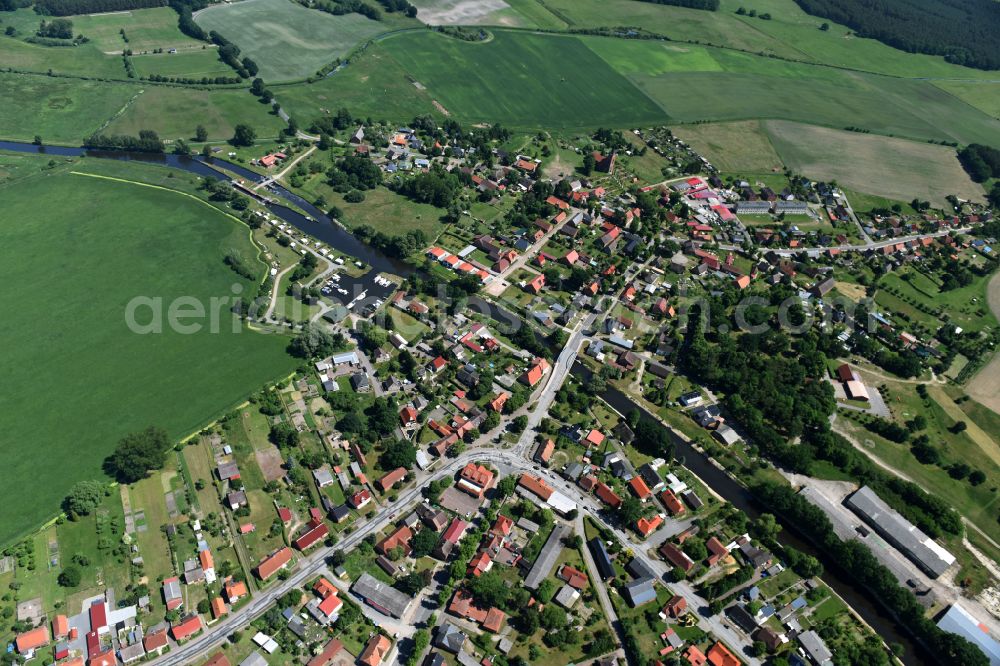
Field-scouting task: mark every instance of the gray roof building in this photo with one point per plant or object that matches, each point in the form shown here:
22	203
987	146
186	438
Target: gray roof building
639	570
567	597
131	653
255	659
640	592
381	596
901	533
449	638
546	559
815	648
601	558
958	621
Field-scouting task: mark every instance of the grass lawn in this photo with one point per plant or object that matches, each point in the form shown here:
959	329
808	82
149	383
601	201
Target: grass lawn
60	110
175	113
117	241
146	29
382	209
735	146
289	41
148	496
84	60
373	84
894	168
976	503
965	307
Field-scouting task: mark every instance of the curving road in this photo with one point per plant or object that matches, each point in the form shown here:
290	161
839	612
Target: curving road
514	460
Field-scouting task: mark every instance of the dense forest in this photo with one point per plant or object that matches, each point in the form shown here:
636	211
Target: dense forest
710	5
72	7
965	32
981	162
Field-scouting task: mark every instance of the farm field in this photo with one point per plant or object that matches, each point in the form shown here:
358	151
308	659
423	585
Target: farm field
71	353
174	113
791	33
193	64
982	95
521	80
511	13
511	80
985	386
373	84
894	168
60	110
742	146
720	84
289	41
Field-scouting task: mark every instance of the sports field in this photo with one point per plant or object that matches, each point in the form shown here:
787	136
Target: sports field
78	250
286	40
893	168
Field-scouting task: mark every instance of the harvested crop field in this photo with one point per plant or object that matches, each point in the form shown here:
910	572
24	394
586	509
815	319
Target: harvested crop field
893	168
742	146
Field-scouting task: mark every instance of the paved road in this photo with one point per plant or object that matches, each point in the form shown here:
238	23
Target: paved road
507	462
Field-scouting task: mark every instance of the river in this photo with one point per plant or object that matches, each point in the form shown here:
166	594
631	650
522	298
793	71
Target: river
320	227
324	229
874	614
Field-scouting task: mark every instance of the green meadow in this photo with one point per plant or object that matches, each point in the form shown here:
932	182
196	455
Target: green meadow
175	112
289	41
77	377
545	81
192	64
60	110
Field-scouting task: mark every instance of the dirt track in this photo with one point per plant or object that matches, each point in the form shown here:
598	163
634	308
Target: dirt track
985	386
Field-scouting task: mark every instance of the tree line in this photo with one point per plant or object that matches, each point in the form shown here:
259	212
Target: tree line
147	142
73	7
710	5
965	32
854	559
981	162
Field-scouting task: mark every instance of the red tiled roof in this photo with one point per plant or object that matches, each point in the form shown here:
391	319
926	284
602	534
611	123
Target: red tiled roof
271	564
331	650
455	530
536	485
30	640
186	628
375	651
608	496
639	487
719	655
392	478
155	640
647	526
315	534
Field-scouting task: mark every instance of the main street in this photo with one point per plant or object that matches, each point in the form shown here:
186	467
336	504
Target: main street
507	461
